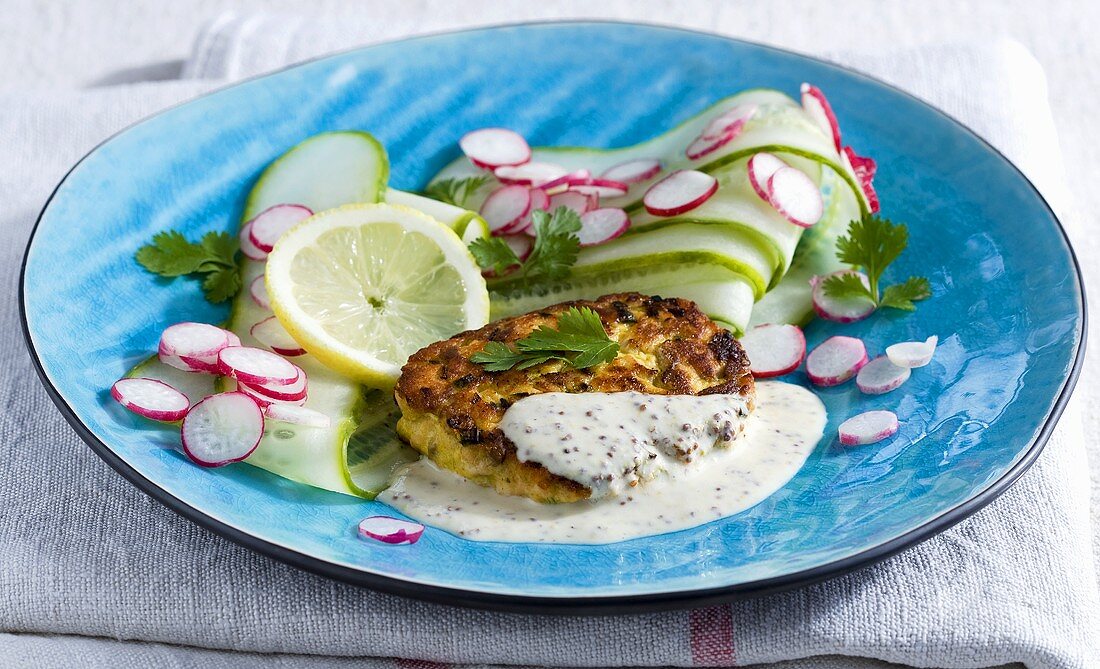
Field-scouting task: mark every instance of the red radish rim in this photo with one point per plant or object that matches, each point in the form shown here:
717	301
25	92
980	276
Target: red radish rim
257	290
188	448
266	227
202	365
291	392
839	370
490	148
399	532
563	182
790	334
704	146
795	196
660	199
531	174
249	249
505	208
266	333
633	171
864	178
599	186
245	362
602	225
761	166
124	390
211	339
735	117
818	103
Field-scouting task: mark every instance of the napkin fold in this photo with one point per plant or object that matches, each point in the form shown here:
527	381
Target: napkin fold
86	555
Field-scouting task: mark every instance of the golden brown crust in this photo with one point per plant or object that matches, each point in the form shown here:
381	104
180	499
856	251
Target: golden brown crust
451	407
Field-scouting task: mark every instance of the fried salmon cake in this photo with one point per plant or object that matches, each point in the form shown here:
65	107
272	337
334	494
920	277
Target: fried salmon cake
451	408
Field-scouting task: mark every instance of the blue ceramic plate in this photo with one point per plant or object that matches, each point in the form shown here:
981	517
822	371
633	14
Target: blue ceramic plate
1007	306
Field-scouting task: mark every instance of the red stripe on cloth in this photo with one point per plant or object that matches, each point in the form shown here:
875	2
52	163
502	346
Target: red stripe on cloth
712	636
403	663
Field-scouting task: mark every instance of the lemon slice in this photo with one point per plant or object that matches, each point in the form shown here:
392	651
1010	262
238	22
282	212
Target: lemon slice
364	286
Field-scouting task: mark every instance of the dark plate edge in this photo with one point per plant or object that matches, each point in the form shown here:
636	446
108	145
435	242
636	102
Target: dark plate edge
598	605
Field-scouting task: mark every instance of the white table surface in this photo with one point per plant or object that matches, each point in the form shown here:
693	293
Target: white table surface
98	42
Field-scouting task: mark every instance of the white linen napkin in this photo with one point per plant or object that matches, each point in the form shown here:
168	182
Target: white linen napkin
84	554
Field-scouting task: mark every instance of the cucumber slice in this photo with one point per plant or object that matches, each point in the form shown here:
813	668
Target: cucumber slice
791	301
322	172
719	292
375	452
466	224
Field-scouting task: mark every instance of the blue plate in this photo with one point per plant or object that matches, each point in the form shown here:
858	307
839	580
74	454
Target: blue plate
1007	306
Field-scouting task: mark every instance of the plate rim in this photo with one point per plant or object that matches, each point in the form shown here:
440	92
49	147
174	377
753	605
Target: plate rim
571	604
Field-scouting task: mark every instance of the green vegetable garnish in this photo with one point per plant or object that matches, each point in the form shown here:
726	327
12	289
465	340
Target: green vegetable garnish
456	191
214	258
580	340
555	250
871	245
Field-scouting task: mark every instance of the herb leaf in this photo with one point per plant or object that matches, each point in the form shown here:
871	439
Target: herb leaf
871	244
456	191
214	257
579	339
492	253
555	250
903	295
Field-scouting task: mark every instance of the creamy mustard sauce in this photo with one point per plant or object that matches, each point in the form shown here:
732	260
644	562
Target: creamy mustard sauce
655	464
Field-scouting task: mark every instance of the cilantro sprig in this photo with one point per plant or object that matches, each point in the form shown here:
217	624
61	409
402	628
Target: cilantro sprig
871	244
555	250
580	340
456	191
214	258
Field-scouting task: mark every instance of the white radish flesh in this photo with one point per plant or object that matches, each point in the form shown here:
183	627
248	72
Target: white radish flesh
196	340
490	148
258	291
270	224
578	202
732	120
774	349
817	106
293	392
840	309
221	429
390	530
633	171
835	360
289	413
249	249
601	225
506	207
256	366
521	245
680	191
529	174
703	146
868	427
795	196
912	354
563	182
151	398
761	167
271	333
599	187
881	376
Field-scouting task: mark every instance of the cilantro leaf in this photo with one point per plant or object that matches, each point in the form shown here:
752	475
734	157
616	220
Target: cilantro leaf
456	191
579	339
871	245
492	253
214	257
170	254
903	295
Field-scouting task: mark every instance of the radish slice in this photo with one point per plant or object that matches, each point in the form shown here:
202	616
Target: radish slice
633	171
506	207
258	290
563	182
774	349
819	109
265	400
271	333
578	202
390	530
286	393
868	427
247	247
599	187
490	148
529	174
835	360
840	309
881	376
761	167
151	398
680	191
271	223
221	429
539	200
195	340
732	120
288	413
256	366
204	365
601	225
864	169
912	354
703	146
521	245
795	196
